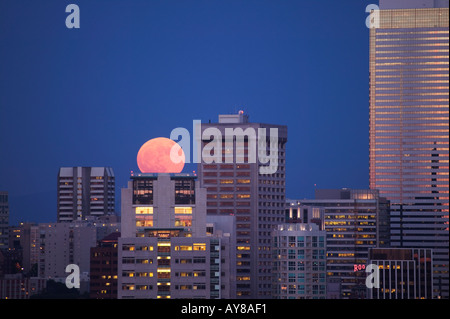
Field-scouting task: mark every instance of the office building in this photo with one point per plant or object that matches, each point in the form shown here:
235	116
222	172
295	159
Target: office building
409	125
404	273
353	224
164	249
85	191
249	188
299	268
4	219
103	268
64	243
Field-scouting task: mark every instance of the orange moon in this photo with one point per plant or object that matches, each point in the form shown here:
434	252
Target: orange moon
154	156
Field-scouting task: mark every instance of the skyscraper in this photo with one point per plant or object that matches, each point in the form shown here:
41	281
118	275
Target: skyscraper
237	187
85	191
409	125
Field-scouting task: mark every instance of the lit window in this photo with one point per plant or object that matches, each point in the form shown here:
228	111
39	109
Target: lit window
183	210
144	210
199	246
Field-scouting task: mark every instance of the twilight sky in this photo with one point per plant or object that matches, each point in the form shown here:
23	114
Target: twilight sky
136	69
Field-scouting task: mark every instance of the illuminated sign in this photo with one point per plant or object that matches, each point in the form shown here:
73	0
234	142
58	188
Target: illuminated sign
358	267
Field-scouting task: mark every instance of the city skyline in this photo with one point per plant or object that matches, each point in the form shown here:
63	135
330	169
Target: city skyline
251	56
224	149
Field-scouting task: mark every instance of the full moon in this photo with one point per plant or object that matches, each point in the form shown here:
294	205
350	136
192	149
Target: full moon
154	156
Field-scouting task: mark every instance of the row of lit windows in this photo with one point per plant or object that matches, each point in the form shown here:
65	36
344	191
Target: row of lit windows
401	93
406	156
197	247
409	50
407	82
413	113
409	32
413	123
227	181
397	168
410	63
410	179
408	100
228	196
431	45
411	130
386	59
410	40
349	223
148	210
131	274
395	140
412	75
427	69
350	216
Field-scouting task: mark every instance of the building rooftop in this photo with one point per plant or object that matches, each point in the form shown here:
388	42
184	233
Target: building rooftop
155	175
412	4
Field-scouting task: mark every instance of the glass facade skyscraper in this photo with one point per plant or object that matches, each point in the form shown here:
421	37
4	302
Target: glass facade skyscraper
409	125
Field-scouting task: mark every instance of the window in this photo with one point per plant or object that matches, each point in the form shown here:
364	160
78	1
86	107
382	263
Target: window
183	216
199	260
144	210
143	191
183	248
199	246
183	210
301	241
185	191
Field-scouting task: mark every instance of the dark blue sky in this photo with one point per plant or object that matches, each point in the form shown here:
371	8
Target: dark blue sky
136	69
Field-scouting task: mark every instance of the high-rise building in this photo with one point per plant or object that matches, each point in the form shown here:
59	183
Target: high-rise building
299	267
4	220
354	220
409	124
64	243
85	191
237	184
164	249
403	273
103	271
